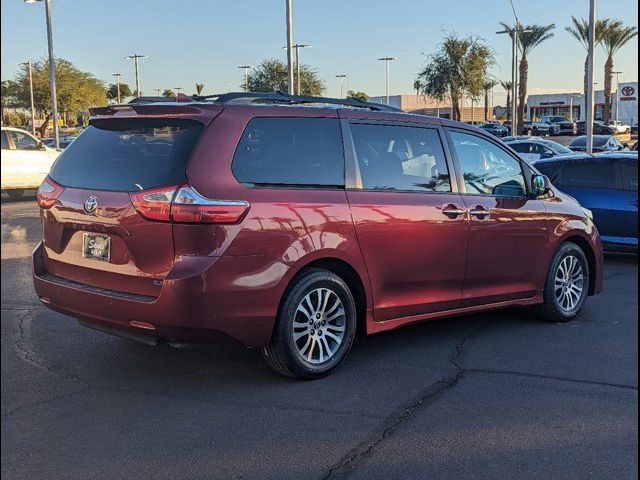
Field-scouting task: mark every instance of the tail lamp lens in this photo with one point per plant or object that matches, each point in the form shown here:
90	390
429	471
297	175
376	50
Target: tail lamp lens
48	193
154	204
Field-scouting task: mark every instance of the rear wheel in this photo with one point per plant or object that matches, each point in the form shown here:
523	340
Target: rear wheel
567	285
15	193
315	327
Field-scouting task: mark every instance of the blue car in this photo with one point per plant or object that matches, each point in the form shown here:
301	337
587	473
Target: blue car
606	184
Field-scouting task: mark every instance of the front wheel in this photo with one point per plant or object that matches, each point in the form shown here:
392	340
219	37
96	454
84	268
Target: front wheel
315	327
567	285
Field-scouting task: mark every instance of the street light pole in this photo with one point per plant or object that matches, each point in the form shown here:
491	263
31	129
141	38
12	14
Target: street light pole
118	75
342	77
590	87
617	74
33	110
246	76
177	89
386	60
52	71
289	48
135	59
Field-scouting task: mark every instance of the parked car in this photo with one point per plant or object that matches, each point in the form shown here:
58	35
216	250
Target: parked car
601	143
495	129
634	128
285	222
599	128
606	184
559	125
535	149
537	128
63	143
25	161
619	127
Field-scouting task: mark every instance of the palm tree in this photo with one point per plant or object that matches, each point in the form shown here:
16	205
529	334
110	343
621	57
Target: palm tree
530	37
579	29
487	86
613	39
199	88
508	86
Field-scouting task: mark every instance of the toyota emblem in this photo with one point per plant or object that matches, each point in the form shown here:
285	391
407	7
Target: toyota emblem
628	91
90	204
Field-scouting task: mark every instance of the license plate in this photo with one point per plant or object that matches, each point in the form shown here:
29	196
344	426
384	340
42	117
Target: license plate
96	246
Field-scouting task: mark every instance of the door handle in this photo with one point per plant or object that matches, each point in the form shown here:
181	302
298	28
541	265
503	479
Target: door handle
479	212
452	211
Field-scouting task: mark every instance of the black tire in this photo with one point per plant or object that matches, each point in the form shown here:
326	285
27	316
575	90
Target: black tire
282	353
551	309
16	193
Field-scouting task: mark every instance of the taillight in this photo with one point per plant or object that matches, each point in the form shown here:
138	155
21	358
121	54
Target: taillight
48	193
154	204
191	207
186	206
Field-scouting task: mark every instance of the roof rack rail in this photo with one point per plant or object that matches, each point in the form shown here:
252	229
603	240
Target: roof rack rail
243	98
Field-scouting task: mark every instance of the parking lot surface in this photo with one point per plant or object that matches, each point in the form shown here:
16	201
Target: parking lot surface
497	396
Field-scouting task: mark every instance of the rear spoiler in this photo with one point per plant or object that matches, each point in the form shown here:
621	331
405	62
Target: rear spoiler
201	112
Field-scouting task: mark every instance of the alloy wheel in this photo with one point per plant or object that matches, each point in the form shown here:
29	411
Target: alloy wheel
569	283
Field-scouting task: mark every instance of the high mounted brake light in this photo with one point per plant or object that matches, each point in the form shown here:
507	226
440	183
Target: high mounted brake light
48	193
182	204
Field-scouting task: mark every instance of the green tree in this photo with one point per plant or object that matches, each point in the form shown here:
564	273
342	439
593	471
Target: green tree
613	39
458	68
508	86
487	86
271	76
199	88
363	97
76	90
530	37
169	93
579	29
125	91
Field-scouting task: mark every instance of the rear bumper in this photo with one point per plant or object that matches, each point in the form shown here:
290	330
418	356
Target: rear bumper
202	300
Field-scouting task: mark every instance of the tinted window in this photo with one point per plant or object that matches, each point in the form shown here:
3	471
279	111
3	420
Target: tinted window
630	173
549	169
589	174
400	158
128	154
488	169
290	151
22	141
557	148
5	142
529	148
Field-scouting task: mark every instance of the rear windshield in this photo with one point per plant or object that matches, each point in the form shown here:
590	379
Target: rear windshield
128	154
598	141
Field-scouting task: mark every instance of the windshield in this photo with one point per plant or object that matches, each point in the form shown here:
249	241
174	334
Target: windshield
598	141
128	154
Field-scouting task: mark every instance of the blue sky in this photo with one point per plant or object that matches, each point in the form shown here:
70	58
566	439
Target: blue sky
204	41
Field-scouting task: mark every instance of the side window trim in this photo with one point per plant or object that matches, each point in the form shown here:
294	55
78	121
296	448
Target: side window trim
460	174
353	178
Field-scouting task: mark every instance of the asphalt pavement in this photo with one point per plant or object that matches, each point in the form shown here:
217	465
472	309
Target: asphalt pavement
499	395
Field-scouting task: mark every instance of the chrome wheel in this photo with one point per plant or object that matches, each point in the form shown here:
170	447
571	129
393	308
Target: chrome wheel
569	283
319	326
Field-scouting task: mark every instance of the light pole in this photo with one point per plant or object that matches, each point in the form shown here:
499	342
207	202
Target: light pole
617	74
52	71
571	98
118	75
590	88
289	47
33	110
342	77
386	61
177	89
246	76
157	90
135	58
297	48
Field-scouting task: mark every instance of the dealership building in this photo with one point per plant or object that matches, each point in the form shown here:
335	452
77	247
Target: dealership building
571	105
421	104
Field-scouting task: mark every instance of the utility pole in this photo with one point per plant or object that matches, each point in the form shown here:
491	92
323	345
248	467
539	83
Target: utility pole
289	47
386	61
617	74
33	109
246	76
590	87
342	77
135	59
118	75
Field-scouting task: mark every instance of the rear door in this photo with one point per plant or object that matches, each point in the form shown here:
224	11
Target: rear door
111	161
410	225
507	228
630	183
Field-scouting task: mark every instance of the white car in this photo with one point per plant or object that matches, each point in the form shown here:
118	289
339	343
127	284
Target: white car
620	127
25	161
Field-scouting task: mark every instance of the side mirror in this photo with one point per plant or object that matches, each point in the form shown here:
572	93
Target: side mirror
540	185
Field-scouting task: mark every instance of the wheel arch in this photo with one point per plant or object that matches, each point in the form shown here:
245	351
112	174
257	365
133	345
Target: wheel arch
586	247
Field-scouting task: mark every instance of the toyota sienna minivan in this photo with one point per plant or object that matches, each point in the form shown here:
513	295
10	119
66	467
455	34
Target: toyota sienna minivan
286	223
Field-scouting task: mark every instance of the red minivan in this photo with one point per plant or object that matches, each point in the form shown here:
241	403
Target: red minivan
286	222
